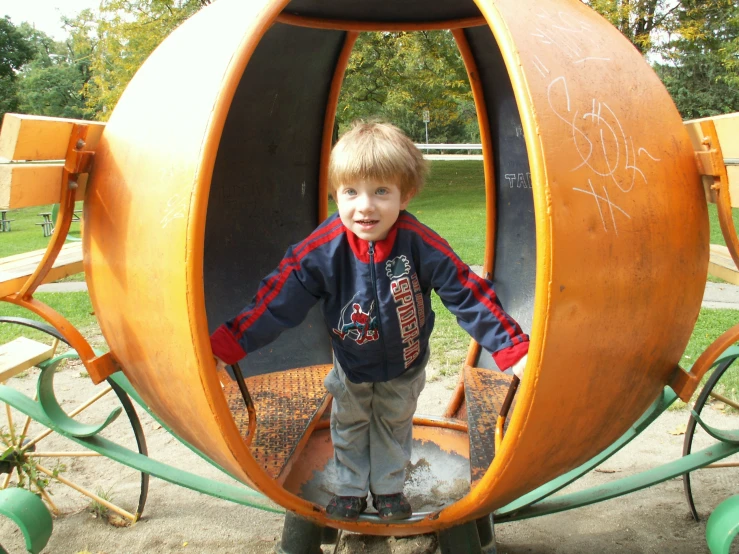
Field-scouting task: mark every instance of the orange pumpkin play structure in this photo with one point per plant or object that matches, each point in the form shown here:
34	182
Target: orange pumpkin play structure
214	161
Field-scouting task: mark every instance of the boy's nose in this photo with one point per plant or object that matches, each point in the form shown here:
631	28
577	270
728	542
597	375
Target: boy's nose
365	203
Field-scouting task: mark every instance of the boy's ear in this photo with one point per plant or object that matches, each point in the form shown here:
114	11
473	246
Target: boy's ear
406	200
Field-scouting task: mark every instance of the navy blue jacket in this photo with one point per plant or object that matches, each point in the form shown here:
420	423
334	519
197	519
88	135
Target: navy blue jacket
376	300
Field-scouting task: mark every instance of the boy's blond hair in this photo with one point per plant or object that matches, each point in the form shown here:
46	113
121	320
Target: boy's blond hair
380	152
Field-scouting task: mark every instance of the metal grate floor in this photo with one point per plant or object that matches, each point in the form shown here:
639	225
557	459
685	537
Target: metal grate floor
286	403
484	390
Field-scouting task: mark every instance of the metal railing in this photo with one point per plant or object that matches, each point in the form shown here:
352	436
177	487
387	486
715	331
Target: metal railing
449	146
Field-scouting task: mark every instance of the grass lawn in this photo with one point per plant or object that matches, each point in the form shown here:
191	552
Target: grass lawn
75	306
452	203
25	234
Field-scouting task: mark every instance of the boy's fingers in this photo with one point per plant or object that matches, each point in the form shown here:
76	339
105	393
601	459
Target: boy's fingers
519	367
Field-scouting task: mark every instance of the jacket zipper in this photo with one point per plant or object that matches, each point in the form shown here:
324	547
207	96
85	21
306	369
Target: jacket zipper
373	277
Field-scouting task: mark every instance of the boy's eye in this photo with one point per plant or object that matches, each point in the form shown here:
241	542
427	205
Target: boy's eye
350	192
381	191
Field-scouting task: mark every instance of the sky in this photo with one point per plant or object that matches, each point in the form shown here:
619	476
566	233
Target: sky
45	14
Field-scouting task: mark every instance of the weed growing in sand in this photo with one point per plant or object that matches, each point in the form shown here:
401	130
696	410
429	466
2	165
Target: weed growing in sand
17	458
97	508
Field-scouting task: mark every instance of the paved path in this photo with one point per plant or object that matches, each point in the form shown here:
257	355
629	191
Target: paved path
717	295
721	295
67	286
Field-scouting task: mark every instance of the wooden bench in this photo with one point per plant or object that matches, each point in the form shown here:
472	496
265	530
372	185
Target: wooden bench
46	160
47	225
18	355
722	265
716	144
15	270
34	152
4	221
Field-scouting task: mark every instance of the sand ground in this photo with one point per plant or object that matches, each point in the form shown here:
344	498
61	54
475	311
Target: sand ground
179	520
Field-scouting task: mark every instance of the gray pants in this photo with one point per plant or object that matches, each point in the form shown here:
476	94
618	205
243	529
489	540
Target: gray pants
372	430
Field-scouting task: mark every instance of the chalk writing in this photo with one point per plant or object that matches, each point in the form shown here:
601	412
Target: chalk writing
175	209
608	203
573	37
603	148
540	66
599	138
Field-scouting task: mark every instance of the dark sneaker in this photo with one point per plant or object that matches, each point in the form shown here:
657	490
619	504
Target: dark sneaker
392	506
346	508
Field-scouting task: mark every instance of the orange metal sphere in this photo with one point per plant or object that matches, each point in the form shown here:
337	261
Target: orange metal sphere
617	258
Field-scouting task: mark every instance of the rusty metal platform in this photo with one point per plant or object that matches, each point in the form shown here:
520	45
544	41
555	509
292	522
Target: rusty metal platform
485	390
287	404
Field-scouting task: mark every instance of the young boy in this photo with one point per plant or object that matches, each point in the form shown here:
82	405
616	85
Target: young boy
373	267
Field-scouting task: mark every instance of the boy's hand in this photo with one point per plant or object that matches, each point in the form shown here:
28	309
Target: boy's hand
519	366
220	364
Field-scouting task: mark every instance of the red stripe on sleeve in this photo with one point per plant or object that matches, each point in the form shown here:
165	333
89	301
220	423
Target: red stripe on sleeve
272	288
286	265
480	288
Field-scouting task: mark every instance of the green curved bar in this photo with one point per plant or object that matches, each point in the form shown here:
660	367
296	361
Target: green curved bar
723	526
662	402
626	485
30	514
122	381
239	494
54	411
718	434
730	353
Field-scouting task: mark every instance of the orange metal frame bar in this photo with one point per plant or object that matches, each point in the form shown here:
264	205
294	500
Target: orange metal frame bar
490	201
77	161
723	198
348	25
328	122
685	383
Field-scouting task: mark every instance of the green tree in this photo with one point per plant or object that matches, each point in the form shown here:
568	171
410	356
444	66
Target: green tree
700	60
126	33
52	83
15	51
396	76
638	20
694	46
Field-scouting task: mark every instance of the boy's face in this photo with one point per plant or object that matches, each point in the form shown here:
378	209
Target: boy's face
370	208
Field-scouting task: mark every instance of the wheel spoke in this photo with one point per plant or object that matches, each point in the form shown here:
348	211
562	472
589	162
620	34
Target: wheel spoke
6	481
27	423
84	454
48	500
10	423
725	400
89	494
726	464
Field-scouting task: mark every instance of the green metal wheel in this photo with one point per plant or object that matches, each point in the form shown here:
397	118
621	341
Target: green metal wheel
711	395
37	458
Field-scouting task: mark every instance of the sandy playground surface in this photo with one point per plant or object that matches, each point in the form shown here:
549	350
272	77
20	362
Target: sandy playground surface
655	520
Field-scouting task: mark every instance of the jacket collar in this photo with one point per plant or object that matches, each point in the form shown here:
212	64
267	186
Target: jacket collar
383	247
